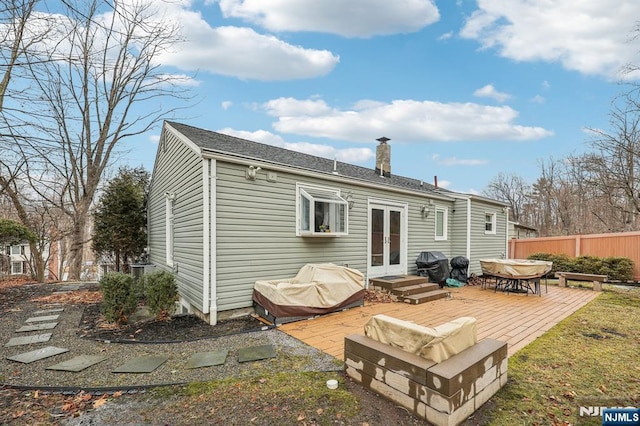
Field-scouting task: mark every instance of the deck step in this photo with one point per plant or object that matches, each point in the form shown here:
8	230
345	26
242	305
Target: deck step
416	299
390	283
415	289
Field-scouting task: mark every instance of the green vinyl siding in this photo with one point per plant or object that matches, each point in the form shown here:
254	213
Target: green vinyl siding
254	234
485	245
256	231
458	228
178	169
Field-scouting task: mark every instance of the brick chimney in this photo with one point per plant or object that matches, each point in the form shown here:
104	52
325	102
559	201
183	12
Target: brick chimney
383	157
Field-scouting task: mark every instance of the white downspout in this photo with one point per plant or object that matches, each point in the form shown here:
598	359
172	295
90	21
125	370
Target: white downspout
506	233
208	242
213	296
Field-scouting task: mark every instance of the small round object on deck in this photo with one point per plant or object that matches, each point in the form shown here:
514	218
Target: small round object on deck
332	384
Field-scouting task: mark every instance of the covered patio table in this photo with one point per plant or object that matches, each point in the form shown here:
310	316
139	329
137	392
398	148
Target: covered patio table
516	275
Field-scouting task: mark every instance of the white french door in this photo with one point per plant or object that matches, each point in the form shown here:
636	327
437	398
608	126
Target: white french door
387	240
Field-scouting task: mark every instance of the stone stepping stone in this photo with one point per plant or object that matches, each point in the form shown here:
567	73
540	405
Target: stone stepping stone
37	327
207	359
256	353
27	340
78	363
43	318
48	311
29	357
142	364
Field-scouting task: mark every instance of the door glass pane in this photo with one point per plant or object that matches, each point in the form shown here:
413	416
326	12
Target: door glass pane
394	237
377	237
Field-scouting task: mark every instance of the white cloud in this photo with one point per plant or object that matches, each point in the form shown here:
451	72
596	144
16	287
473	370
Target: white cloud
154	139
444	184
244	53
290	106
473	191
489	91
537	99
226	105
454	161
401	120
347	155
226	50
178	80
584	36
353	18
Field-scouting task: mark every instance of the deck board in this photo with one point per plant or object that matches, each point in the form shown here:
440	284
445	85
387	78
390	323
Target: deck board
513	318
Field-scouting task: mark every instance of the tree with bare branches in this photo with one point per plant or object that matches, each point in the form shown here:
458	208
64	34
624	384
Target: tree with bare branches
512	189
99	81
612	169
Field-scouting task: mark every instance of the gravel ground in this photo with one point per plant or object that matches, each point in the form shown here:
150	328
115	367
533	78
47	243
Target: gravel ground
290	352
232	407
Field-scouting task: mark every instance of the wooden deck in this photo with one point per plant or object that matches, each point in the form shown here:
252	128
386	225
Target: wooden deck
513	318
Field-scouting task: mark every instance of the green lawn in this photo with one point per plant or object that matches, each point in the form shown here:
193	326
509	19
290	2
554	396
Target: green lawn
590	359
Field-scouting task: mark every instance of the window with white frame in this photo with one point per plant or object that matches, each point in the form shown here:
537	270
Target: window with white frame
321	211
16	268
441	223
169	231
17	250
489	223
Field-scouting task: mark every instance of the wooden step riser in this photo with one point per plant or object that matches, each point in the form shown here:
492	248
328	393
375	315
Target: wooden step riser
401	282
415	289
418	299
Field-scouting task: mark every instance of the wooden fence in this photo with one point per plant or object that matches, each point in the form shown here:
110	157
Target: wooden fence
623	244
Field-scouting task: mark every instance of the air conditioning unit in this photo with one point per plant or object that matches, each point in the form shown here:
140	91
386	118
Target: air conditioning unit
138	271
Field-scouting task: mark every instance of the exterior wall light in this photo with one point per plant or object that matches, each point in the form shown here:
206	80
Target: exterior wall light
350	201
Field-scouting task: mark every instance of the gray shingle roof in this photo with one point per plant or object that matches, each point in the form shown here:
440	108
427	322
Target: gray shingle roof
214	142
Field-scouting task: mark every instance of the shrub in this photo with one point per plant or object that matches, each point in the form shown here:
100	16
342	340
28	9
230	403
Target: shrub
618	268
561	262
118	297
615	268
588	264
161	293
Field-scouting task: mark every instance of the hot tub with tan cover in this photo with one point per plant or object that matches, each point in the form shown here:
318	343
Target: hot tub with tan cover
316	289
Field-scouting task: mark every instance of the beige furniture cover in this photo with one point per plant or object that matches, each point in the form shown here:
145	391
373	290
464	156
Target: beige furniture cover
515	268
434	343
316	289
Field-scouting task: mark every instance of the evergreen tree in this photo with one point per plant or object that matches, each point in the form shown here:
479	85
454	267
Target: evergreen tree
120	218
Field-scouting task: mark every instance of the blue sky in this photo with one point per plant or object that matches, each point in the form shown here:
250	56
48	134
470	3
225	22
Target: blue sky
464	89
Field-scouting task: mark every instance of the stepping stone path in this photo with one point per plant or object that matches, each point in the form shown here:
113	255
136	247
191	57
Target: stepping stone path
142	364
28	340
256	353
37	327
78	363
45	319
207	359
37	355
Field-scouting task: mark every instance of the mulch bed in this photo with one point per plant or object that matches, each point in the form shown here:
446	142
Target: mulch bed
175	329
17	292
